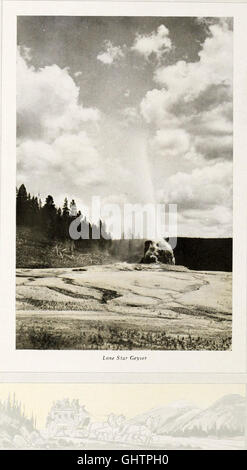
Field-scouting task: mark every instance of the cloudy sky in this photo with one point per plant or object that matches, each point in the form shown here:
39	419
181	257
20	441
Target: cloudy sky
132	110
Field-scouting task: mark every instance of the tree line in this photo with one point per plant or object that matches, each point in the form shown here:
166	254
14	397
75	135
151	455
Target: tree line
54	221
16	411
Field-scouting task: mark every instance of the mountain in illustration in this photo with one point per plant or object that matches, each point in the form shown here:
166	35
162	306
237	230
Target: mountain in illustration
168	419
226	417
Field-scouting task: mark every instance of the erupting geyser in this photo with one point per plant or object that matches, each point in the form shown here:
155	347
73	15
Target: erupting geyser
158	252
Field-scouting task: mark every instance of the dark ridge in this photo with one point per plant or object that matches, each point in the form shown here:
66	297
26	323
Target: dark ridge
205	254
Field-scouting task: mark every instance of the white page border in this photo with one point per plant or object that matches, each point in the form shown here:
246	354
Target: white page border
14	361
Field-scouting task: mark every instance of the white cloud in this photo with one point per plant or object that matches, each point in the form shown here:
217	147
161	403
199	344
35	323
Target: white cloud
213	66
157	43
130	115
62	152
110	53
68	163
203	187
197	97
55	145
48	102
187	159
204	199
25	52
173	141
190	116
78	74
213	223
72	152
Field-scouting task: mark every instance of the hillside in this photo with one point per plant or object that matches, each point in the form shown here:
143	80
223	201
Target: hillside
203	254
17	430
35	250
169	419
225	418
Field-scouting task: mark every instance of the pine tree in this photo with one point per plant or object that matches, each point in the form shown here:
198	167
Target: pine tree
34	212
65	220
49	213
65	208
59	225
21	206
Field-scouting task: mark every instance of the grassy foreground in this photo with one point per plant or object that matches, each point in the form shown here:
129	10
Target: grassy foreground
65	333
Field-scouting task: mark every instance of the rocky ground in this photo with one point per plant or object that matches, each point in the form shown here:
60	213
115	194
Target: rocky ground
123	306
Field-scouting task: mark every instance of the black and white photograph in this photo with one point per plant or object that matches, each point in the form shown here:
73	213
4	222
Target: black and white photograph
124	177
